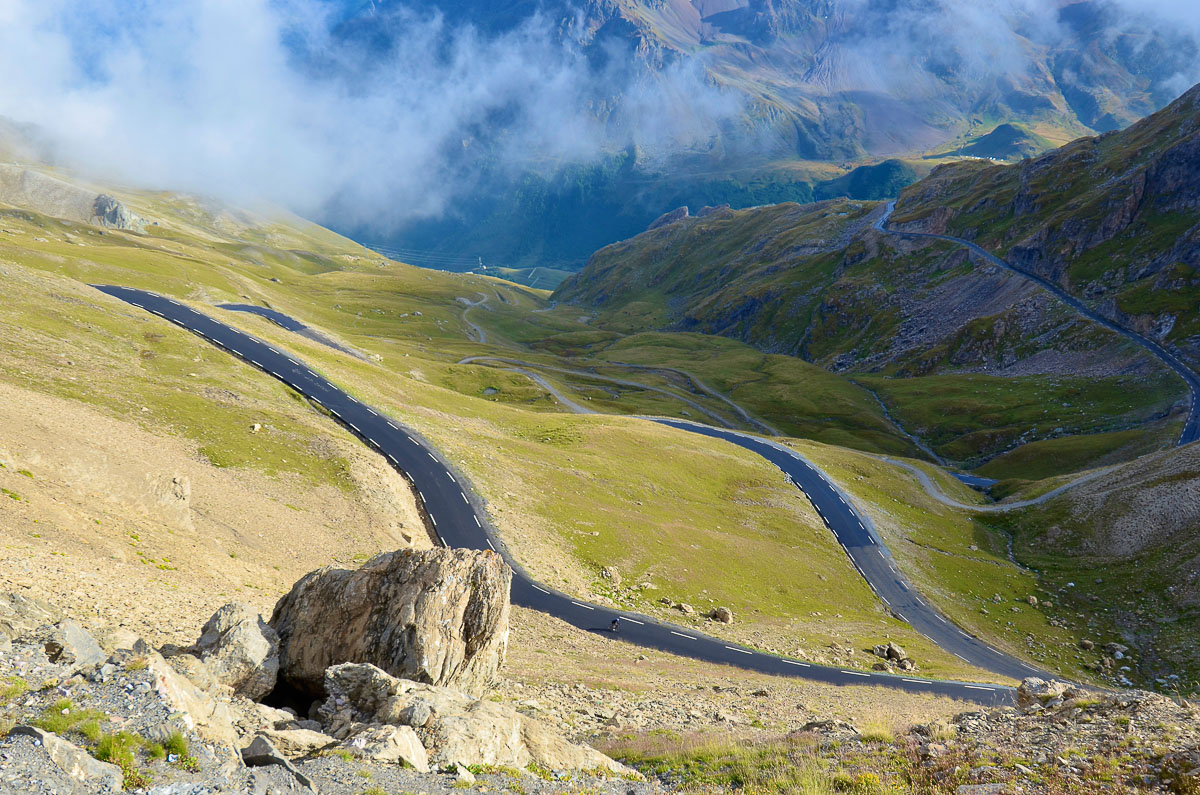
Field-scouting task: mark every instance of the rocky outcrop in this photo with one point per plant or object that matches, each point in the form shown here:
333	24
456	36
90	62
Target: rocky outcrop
240	650
113	214
67	643
389	744
667	219
20	614
453	728
437	616
34	190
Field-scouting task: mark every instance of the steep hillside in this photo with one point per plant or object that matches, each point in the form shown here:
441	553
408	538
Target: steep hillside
1122	551
1111	219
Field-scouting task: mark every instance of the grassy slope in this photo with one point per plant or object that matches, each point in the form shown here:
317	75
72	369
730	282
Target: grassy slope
969	417
958	562
550	480
755	276
1121	553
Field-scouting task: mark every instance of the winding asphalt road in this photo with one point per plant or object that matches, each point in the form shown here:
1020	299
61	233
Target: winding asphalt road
457	516
1191	429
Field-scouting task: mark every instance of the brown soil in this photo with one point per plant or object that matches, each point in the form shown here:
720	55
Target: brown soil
122	527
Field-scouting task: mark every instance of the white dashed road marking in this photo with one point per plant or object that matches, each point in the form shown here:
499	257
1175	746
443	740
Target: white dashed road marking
855	673
739	651
579	604
680	634
794	662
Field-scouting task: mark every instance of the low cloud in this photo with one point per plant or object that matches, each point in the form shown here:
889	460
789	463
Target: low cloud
250	99
259	99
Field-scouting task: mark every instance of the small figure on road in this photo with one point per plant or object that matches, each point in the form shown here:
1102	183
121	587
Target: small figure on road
616	624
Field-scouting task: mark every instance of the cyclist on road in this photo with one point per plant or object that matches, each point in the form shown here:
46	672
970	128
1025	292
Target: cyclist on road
616	624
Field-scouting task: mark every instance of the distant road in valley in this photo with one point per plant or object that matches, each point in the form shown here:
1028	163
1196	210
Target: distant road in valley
1191	429
456	515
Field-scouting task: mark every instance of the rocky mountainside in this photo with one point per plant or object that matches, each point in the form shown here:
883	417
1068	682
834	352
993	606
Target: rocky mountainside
1122	553
1112	219
818	282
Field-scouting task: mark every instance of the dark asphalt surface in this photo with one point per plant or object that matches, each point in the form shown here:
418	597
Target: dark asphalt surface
1191	429
458	517
291	324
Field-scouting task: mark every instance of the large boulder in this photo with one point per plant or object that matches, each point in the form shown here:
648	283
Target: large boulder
1036	694
240	650
454	728
438	616
67	643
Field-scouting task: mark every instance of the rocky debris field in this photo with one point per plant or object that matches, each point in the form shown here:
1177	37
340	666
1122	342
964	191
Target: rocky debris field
100	712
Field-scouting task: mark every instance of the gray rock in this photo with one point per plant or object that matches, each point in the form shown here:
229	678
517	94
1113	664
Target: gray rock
20	614
417	714
261	753
723	614
389	744
296	743
438	616
74	761
67	643
112	213
240	650
1035	694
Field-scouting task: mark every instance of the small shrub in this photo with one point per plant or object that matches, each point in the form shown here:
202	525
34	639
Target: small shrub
62	717
876	730
539	771
14	687
118	749
177	746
